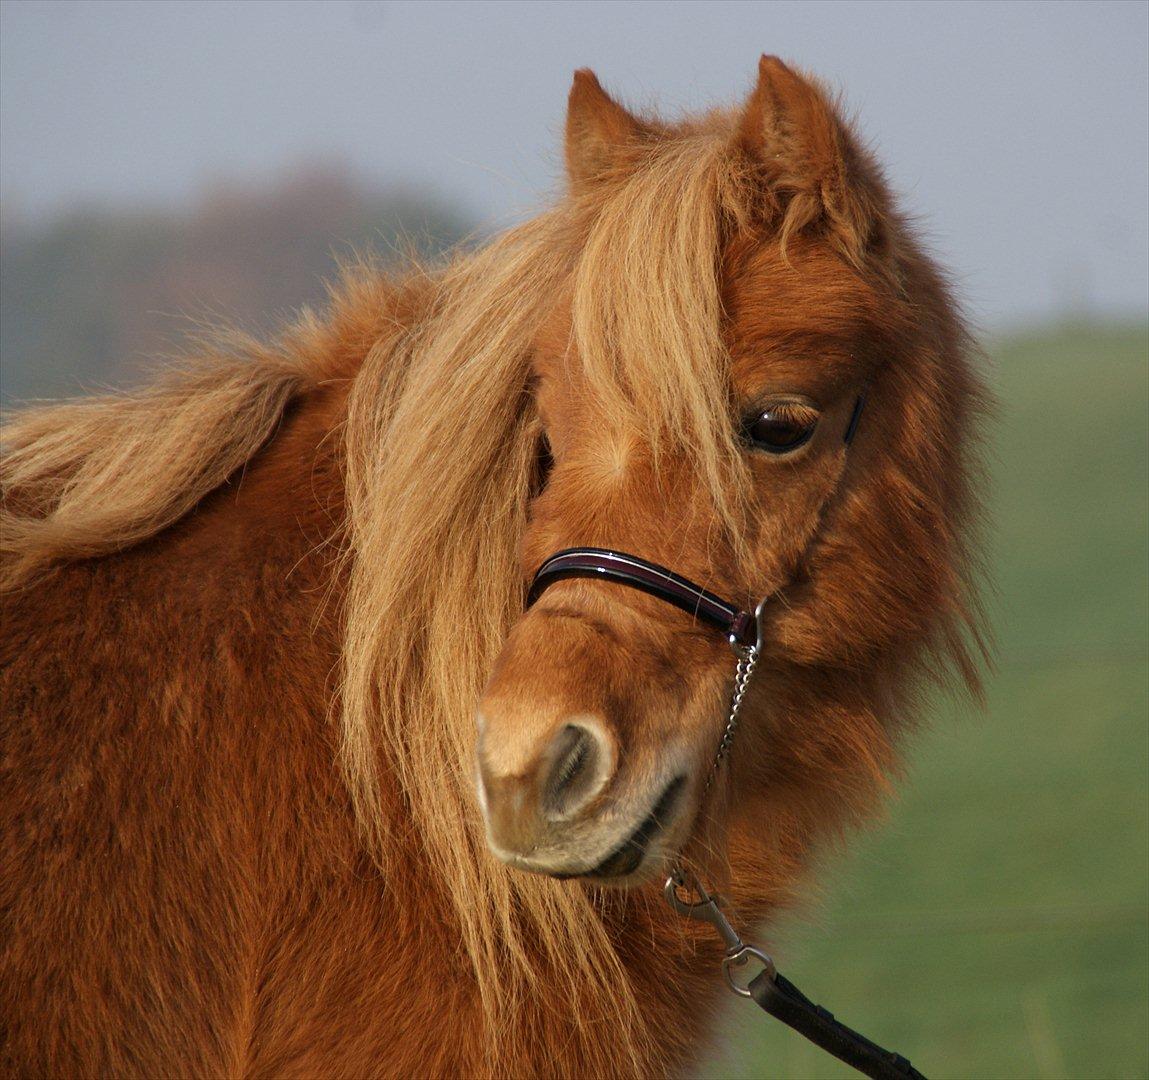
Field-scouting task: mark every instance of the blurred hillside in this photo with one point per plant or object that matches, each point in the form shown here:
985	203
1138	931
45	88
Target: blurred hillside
88	300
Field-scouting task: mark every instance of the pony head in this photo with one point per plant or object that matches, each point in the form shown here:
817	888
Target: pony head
740	285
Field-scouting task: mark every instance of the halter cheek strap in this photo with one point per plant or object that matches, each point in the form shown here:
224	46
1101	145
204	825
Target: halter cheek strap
855	416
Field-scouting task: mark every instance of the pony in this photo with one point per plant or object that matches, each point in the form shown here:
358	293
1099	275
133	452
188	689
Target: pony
294	782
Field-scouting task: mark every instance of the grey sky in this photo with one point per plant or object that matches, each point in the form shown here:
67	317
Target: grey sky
1018	133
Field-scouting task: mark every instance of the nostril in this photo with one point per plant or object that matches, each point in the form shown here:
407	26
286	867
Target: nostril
576	771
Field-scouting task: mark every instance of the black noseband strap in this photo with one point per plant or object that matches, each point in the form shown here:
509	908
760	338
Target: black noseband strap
739	626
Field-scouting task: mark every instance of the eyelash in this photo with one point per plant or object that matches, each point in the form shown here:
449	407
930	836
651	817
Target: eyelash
780	427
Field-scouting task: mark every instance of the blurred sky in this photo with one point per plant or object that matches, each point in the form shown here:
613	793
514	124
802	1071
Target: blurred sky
1017	132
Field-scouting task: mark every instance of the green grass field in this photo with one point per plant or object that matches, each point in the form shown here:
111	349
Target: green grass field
996	923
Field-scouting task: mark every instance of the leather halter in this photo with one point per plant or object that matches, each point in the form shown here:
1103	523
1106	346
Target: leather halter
738	625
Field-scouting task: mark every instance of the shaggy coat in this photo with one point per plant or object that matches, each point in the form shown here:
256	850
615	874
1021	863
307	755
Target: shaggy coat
250	610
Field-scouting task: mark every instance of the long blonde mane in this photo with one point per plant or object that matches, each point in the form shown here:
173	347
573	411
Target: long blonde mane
440	447
440	464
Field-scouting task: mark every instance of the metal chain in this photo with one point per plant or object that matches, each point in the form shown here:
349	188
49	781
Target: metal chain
747	659
705	907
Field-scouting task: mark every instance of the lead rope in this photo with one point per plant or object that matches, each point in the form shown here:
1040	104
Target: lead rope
769	989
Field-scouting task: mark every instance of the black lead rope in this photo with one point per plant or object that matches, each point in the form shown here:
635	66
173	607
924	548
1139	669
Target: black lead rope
778	995
784	1001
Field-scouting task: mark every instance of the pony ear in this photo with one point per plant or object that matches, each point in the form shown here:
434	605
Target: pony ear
790	129
787	114
599	131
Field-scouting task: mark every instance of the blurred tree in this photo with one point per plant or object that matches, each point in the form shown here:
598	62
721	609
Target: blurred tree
95	297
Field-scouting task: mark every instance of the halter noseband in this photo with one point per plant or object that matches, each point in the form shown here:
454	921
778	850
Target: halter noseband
605	565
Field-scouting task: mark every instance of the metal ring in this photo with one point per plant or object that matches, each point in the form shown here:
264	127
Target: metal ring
743	652
740	957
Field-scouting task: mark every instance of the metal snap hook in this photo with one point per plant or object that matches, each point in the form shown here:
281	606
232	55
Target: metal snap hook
705	909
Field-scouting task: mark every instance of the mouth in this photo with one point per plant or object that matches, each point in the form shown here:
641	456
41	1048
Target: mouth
629	855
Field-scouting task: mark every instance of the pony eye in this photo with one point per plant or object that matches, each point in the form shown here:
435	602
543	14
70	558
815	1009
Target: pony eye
781	427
